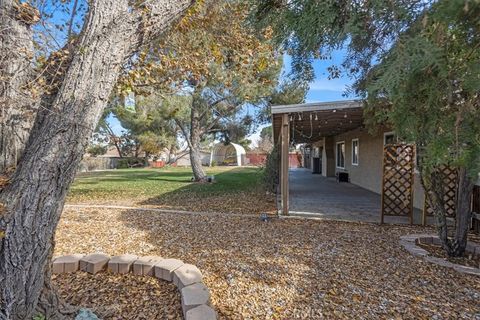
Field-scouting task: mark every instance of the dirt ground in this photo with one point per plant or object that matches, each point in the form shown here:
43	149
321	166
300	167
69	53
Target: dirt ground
284	268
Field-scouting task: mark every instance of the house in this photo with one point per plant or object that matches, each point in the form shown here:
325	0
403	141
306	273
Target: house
184	159
337	146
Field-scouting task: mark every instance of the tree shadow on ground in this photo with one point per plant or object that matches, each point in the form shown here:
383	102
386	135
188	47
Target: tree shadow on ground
232	191
284	268
304	269
236	255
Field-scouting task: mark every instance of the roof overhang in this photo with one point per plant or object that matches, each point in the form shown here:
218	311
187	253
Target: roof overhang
311	122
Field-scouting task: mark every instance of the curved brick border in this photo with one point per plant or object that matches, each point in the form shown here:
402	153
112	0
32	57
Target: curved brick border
409	242
187	277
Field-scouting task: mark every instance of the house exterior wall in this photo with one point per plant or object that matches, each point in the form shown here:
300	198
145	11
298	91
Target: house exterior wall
368	173
185	160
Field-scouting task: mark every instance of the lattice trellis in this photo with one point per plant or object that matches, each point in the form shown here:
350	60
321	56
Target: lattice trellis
397	184
449	175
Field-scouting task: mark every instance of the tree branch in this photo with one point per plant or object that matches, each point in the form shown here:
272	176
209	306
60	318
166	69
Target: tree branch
184	132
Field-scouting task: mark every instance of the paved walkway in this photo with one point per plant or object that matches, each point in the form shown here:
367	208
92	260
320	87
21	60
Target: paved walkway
316	195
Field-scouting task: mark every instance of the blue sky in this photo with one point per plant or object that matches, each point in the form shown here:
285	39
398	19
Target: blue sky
322	89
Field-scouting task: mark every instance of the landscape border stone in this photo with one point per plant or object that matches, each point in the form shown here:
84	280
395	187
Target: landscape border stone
187	278
144	266
409	242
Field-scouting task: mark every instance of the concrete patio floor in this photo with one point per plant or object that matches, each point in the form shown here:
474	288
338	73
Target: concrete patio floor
318	196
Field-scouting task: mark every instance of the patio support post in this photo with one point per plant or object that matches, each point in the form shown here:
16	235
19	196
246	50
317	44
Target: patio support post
285	141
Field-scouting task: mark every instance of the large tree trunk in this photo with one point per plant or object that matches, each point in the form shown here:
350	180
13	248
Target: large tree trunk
195	138
463	213
34	199
17	110
435	186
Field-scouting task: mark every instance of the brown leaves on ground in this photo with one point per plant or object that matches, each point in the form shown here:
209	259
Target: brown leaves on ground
241	202
115	297
284	268
468	260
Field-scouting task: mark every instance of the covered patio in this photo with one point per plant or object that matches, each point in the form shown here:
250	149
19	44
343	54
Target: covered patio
331	130
314	195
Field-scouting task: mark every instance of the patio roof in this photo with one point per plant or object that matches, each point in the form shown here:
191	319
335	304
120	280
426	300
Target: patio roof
309	122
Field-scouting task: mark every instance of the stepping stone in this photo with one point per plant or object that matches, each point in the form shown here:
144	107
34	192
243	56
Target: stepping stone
144	266
66	264
86	314
193	296
93	263
165	268
121	264
202	312
186	275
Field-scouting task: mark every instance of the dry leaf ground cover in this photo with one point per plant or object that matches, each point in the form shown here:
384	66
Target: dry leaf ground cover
235	189
118	297
284	268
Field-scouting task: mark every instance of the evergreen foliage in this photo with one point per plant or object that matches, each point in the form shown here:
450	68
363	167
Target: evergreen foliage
416	63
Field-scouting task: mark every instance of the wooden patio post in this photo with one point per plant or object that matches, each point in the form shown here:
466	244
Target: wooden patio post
284	156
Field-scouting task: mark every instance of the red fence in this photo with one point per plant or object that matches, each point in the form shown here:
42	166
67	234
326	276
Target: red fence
256	159
156	164
293	160
259	159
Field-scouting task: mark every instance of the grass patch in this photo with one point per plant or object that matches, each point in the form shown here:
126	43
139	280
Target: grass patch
173	188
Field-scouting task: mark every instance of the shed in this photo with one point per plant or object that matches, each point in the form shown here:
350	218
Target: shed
230	154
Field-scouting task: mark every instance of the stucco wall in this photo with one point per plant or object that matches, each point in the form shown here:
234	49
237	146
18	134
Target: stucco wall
368	173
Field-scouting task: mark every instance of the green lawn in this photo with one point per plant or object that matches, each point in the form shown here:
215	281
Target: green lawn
234	190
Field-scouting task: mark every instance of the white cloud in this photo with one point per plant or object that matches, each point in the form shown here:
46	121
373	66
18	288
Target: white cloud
255	137
339	85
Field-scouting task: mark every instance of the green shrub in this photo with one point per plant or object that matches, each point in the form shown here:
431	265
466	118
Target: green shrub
97	150
271	172
126	163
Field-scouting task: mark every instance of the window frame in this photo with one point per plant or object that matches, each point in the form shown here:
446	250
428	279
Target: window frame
337	157
389	133
357	140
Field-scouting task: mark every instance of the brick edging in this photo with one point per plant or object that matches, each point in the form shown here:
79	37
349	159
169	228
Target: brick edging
186	277
409	242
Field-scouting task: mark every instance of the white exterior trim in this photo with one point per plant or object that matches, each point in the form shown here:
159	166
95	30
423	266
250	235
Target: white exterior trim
317	106
336	154
385	134
358	152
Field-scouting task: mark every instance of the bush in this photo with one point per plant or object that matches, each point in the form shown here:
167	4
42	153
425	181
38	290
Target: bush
271	172
97	150
126	163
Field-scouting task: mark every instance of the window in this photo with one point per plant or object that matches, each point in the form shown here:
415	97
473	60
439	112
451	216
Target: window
389	138
341	155
355	147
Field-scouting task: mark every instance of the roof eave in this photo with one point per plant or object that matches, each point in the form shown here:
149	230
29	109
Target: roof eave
316	106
